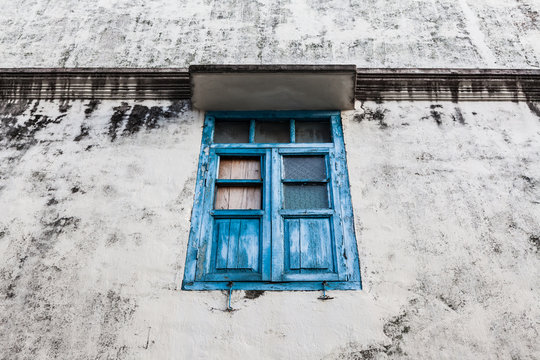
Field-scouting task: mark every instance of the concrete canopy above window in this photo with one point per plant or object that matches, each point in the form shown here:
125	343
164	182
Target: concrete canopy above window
273	87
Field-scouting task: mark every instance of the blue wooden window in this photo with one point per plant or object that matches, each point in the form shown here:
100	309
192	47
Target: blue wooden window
272	208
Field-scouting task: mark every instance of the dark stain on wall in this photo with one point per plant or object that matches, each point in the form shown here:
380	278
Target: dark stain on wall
90	107
458	116
14	108
452	303
253	294
528	180
64	106
436	115
84	133
136	119
395	329
21	136
535	242
117	118
141	117
376	115
42	244
147	117
534	107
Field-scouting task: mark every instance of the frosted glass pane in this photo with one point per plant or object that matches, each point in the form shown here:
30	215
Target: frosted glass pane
231	132
272	132
305	196
304	167
312	132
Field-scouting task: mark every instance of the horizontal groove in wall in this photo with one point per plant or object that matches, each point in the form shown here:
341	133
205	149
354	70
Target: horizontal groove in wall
371	84
448	84
88	83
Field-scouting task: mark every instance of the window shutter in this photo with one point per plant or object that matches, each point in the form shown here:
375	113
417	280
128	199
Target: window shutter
235	226
309	243
238	244
272	208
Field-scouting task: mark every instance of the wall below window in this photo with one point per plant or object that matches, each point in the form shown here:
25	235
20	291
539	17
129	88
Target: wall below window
95	203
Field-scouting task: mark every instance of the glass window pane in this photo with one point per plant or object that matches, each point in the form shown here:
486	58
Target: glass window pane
272	132
238	197
305	196
239	168
304	167
231	131
312	131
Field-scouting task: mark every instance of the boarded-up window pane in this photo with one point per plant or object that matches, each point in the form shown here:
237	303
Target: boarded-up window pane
238	197
239	168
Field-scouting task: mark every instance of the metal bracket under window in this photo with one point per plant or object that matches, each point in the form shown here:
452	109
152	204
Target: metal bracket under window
229	308
324	297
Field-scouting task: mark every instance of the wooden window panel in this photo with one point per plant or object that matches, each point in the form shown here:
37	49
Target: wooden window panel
238	197
240	168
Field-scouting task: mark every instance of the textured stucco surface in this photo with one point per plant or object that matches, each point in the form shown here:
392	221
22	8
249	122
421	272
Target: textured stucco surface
368	33
95	201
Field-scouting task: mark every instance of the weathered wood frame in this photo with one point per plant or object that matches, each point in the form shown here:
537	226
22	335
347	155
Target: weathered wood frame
197	264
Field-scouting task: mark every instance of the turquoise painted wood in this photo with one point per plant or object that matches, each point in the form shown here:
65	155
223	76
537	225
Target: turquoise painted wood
193	265
248	246
272	286
205	259
267	218
292	241
309	244
349	253
278	248
315	244
233	240
238	244
273	248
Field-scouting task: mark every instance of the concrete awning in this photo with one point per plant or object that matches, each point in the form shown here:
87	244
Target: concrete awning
273	87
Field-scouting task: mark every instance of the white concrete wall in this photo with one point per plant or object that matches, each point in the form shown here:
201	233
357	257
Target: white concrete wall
368	33
95	203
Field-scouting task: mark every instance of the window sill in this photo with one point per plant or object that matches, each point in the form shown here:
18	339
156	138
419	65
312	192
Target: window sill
276	286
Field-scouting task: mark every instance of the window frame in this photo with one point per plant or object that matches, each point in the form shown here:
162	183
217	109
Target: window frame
272	263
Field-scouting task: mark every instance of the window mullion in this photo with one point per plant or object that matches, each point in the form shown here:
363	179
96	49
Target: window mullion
277	231
266	256
252	131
